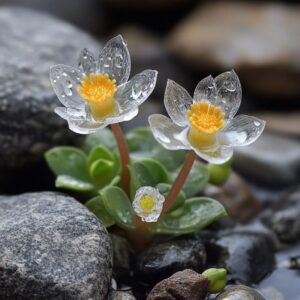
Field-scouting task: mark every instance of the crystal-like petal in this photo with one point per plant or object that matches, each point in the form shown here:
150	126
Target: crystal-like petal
206	90
219	155
70	113
84	126
87	62
65	80
177	101
134	92
243	130
122	117
229	93
167	133
114	60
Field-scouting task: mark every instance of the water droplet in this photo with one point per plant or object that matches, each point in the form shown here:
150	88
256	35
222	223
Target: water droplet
256	123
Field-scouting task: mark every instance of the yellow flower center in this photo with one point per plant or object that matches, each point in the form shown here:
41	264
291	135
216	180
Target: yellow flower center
147	203
205	120
99	91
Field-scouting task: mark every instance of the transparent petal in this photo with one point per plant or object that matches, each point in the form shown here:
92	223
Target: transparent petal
87	62
218	155
148	215
114	60
167	133
206	90
134	92
177	101
122	117
70	113
243	130
65	81
229	93
84	126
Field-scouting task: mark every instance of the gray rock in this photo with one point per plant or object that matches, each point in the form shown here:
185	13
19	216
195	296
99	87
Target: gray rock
33	42
240	292
120	295
161	260
52	247
272	160
248	257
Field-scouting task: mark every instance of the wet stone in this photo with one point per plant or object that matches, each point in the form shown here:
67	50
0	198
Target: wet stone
36	41
248	257
184	285
240	292
161	260
120	295
52	247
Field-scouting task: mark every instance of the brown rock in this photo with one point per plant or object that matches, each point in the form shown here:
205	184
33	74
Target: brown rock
183	285
236	197
258	40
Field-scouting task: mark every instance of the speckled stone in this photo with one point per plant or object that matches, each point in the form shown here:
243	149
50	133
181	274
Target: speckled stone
52	247
31	43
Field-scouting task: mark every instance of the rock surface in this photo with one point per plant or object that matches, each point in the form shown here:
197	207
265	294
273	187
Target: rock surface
120	295
161	260
36	41
52	247
256	39
184	285
240	292
248	257
272	160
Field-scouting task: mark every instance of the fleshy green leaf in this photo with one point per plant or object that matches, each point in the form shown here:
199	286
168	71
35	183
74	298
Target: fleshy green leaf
96	206
164	189
68	161
196	213
103	137
147	173
196	180
218	174
99	152
71	183
102	171
119	206
142	145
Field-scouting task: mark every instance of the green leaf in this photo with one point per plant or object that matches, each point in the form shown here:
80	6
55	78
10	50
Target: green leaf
96	206
102	171
142	145
147	173
197	214
119	206
71	183
103	137
165	188
100	152
196	180
68	161
218	174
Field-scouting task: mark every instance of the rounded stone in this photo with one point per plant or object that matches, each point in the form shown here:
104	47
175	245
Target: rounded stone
240	292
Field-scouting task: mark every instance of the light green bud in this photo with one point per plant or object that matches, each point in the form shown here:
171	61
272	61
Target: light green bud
217	278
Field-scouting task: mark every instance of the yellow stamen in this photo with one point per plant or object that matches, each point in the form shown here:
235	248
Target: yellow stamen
205	120
147	203
99	91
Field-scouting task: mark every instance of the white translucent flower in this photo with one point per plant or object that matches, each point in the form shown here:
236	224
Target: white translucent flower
148	203
206	122
98	93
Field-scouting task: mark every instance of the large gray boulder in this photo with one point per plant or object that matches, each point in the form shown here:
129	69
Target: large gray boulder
32	42
52	247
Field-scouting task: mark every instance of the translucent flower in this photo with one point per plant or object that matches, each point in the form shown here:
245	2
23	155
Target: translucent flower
206	122
98	93
148	203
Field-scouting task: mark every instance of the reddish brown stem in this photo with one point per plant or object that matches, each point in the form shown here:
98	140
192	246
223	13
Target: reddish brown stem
124	154
179	182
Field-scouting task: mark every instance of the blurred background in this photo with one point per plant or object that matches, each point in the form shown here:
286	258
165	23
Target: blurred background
185	40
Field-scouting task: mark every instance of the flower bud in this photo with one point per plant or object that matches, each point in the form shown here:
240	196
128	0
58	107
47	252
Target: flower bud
217	278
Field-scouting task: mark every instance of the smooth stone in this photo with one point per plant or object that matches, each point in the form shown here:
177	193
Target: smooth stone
249	37
184	285
237	197
248	257
52	247
161	260
272	160
28	124
120	295
240	292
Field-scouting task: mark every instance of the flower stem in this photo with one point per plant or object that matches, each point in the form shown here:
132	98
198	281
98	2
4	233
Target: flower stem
124	154
179	182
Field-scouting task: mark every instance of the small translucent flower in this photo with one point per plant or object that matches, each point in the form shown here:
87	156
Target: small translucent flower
98	93
148	203
206	122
